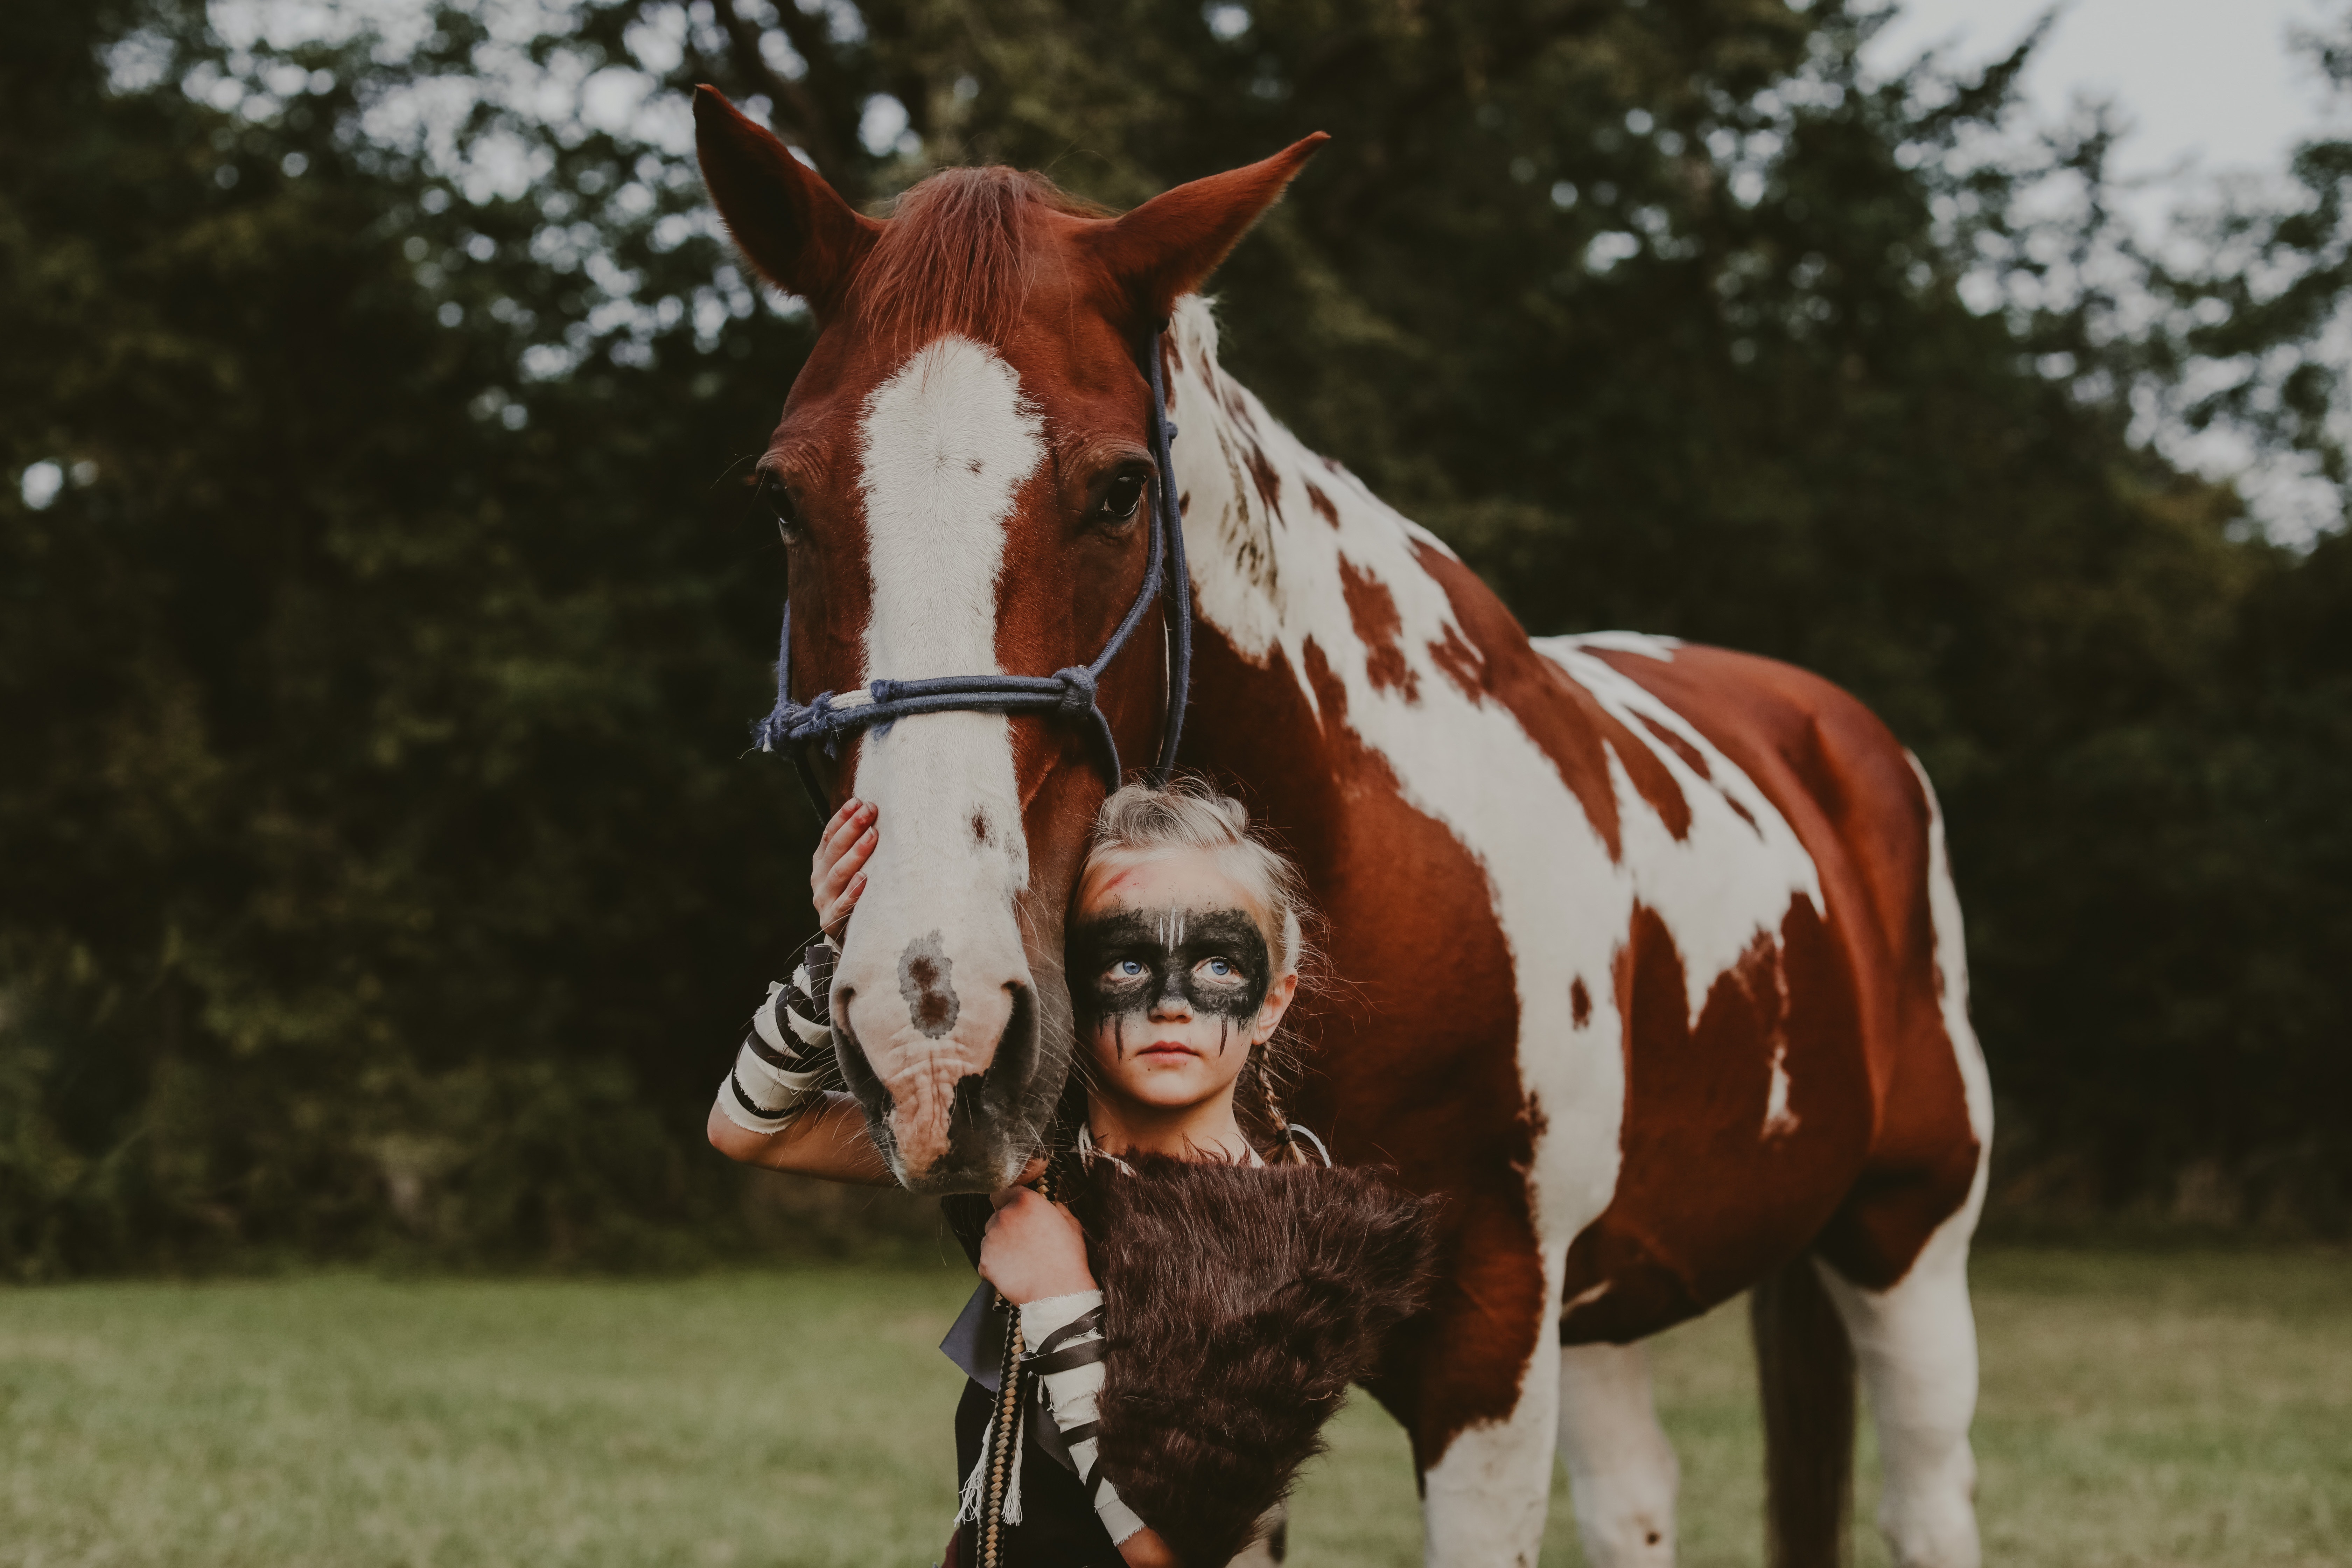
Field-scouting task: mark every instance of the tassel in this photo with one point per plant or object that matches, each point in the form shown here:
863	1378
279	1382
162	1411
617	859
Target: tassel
1012	1482
975	1484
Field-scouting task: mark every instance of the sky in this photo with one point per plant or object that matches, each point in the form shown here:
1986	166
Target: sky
2215	92
2211	84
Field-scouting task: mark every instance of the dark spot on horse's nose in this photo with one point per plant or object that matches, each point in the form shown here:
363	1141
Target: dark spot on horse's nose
980	826
924	980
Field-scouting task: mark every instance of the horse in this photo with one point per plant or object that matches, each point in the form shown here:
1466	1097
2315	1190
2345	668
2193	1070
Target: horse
1648	956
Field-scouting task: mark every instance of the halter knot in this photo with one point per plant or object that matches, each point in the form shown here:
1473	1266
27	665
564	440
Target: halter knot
1078	690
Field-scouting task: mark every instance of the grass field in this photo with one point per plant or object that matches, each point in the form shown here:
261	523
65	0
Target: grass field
2138	1409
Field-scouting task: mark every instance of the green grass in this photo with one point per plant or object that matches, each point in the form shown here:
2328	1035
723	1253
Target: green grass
2138	1409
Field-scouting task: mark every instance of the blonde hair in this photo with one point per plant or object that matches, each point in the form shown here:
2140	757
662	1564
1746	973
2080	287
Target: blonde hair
1145	822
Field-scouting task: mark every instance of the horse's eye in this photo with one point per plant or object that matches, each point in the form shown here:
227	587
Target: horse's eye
1126	493
776	500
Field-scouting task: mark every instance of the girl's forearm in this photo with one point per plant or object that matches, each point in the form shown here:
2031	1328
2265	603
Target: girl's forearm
828	1141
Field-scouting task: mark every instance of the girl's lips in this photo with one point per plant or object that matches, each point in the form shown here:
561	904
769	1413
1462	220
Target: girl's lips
1165	1048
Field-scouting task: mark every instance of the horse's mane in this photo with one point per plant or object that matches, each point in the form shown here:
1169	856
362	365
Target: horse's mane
959	254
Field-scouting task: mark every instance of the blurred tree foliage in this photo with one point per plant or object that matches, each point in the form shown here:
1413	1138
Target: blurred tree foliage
381	617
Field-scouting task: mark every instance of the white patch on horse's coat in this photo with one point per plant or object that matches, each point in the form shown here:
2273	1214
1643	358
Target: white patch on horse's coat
1779	1120
1586	1297
946	444
1563	901
1649	645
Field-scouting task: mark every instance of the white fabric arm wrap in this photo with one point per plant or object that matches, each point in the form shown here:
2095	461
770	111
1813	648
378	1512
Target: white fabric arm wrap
775	1077
1070	1396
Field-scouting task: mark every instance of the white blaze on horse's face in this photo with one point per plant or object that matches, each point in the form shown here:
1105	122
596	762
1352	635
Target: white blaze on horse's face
933	982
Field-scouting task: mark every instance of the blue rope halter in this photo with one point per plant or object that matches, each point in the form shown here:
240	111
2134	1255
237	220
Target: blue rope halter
826	719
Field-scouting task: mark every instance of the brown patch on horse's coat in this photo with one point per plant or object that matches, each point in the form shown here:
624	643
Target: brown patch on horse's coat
1321	501
1373	610
1263	476
1839	777
1704	1203
1693	758
1579	1003
1444	1107
1566	723
1461	664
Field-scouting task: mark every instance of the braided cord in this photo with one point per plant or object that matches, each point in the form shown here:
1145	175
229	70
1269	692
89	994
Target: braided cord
1005	1430
1003	1433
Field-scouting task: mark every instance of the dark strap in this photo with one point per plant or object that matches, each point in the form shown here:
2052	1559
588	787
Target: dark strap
1085	1323
780	1060
1067	1358
826	720
753	1106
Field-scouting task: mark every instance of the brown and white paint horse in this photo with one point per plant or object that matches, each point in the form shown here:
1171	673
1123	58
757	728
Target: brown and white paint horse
1651	960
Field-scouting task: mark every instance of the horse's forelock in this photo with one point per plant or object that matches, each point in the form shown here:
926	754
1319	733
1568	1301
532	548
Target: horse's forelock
959	255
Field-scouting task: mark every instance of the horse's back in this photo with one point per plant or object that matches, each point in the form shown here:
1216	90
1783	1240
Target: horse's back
1840	1029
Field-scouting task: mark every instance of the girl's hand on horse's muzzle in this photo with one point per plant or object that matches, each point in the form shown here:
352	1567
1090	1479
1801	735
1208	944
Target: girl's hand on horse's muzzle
838	873
1033	1248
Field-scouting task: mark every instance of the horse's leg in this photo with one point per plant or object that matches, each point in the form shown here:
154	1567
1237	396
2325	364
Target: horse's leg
1484	1500
1622	1471
1915	1344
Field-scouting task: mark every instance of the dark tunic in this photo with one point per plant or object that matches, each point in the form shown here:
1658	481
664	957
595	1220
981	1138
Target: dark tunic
1058	1527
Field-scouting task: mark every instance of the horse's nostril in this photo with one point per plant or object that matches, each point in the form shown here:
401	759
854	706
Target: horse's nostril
1013	1065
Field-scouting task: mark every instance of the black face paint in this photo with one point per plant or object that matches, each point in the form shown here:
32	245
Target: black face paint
1132	961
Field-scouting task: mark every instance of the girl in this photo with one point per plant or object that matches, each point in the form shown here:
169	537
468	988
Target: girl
1194	1313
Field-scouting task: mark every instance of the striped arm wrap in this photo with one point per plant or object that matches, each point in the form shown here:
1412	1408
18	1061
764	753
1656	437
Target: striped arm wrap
787	1052
1068	1366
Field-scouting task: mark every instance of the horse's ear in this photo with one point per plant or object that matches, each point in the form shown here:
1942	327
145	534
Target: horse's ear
801	235
1168	246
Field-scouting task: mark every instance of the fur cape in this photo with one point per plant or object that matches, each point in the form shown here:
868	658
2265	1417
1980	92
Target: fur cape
1239	1305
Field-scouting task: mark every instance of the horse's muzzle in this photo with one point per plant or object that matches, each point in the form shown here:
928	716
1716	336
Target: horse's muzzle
952	1113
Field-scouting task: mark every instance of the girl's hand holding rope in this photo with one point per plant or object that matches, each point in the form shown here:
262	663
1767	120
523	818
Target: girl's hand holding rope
1033	1250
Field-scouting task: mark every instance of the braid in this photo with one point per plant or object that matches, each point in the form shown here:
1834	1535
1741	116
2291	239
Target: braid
1272	1108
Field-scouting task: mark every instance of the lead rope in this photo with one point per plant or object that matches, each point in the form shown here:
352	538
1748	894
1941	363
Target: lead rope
1005	1432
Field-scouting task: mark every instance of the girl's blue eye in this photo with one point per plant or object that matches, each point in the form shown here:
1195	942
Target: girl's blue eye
1129	968
1220	968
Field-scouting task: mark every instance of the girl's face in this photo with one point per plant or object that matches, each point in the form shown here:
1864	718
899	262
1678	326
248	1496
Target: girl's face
1172	978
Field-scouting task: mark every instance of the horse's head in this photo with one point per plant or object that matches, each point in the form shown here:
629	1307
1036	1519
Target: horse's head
961	474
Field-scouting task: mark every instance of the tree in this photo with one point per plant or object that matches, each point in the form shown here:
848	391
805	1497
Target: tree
382	618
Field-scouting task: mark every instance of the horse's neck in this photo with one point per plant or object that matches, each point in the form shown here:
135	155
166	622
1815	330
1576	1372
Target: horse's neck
1315	582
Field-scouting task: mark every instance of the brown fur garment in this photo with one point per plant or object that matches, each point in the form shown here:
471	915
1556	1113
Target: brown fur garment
1239	1306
